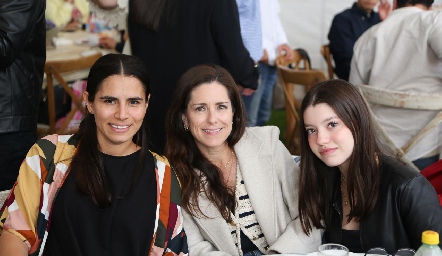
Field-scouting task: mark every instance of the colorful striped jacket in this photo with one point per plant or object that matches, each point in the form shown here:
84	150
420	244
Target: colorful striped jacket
27	210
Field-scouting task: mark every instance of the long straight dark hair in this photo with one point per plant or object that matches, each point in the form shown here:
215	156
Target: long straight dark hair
182	151
87	163
149	13
317	179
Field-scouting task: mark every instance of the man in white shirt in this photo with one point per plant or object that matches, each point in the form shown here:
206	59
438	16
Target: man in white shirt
274	42
404	53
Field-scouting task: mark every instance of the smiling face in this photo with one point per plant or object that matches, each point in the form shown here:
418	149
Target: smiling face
209	116
329	138
367	5
119	108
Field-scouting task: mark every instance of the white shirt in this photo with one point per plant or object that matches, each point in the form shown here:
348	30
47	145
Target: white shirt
273	34
403	53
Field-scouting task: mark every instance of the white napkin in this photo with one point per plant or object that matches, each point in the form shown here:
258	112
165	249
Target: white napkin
58	41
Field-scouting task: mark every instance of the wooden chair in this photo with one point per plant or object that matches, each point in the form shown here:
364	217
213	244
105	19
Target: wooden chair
291	73
325	51
403	100
56	69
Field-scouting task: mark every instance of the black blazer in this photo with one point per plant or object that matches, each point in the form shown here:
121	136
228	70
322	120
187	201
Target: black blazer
206	31
22	60
406	206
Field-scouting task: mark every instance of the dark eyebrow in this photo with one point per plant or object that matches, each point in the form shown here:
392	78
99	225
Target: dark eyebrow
330	118
136	98
114	98
325	121
107	98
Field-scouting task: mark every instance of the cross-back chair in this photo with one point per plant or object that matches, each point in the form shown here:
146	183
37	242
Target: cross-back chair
291	73
55	70
325	51
403	100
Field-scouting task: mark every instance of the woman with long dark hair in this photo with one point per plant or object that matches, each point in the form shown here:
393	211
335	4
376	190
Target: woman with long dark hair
362	197
239	184
99	191
171	36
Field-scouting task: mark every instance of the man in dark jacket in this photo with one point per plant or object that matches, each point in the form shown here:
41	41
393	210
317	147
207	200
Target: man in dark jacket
348	26
22	59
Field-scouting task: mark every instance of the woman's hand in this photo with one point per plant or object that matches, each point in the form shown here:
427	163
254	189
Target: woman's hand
11	244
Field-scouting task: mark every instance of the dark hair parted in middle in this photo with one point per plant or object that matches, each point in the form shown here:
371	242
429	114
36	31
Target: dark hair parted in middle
181	149
87	163
363	171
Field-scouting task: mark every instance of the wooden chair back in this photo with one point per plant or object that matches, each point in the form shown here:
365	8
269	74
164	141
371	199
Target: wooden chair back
56	69
403	100
325	51
289	74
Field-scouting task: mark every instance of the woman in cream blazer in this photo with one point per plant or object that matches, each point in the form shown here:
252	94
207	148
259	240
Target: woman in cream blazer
239	184
271	178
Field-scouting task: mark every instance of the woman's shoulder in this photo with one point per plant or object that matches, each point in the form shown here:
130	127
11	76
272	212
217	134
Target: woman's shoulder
160	158
395	170
57	146
259	136
263	132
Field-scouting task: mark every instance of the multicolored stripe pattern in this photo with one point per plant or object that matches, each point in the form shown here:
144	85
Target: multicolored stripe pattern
27	210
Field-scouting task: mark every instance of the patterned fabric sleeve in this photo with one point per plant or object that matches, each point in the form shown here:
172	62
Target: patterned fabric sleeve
26	211
170	238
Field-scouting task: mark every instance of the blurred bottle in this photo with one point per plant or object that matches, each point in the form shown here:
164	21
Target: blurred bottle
429	247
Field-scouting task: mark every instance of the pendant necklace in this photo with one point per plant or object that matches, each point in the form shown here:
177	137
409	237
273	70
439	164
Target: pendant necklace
344	197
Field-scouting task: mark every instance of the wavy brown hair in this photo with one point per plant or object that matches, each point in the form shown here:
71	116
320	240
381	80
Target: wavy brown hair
317	179
196	173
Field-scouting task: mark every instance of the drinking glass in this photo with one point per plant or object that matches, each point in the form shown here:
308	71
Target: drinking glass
332	250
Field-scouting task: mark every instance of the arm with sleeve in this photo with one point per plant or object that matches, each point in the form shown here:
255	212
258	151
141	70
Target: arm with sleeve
234	56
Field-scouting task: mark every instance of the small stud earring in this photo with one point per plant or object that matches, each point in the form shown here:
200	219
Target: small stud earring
186	128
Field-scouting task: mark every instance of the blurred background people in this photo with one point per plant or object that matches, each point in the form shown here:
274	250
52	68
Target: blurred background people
171	36
362	198
404	53
239	184
274	43
67	14
108	42
251	32
114	13
102	191
22	59
348	26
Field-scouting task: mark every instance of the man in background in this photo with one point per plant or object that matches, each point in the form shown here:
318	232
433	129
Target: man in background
404	53
22	60
274	43
251	34
348	26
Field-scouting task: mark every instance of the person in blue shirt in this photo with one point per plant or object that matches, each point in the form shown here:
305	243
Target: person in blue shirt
348	26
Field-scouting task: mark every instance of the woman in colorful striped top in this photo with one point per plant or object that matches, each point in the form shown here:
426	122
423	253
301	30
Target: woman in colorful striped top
99	191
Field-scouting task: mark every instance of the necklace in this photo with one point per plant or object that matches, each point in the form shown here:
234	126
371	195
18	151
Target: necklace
230	159
344	197
228	167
